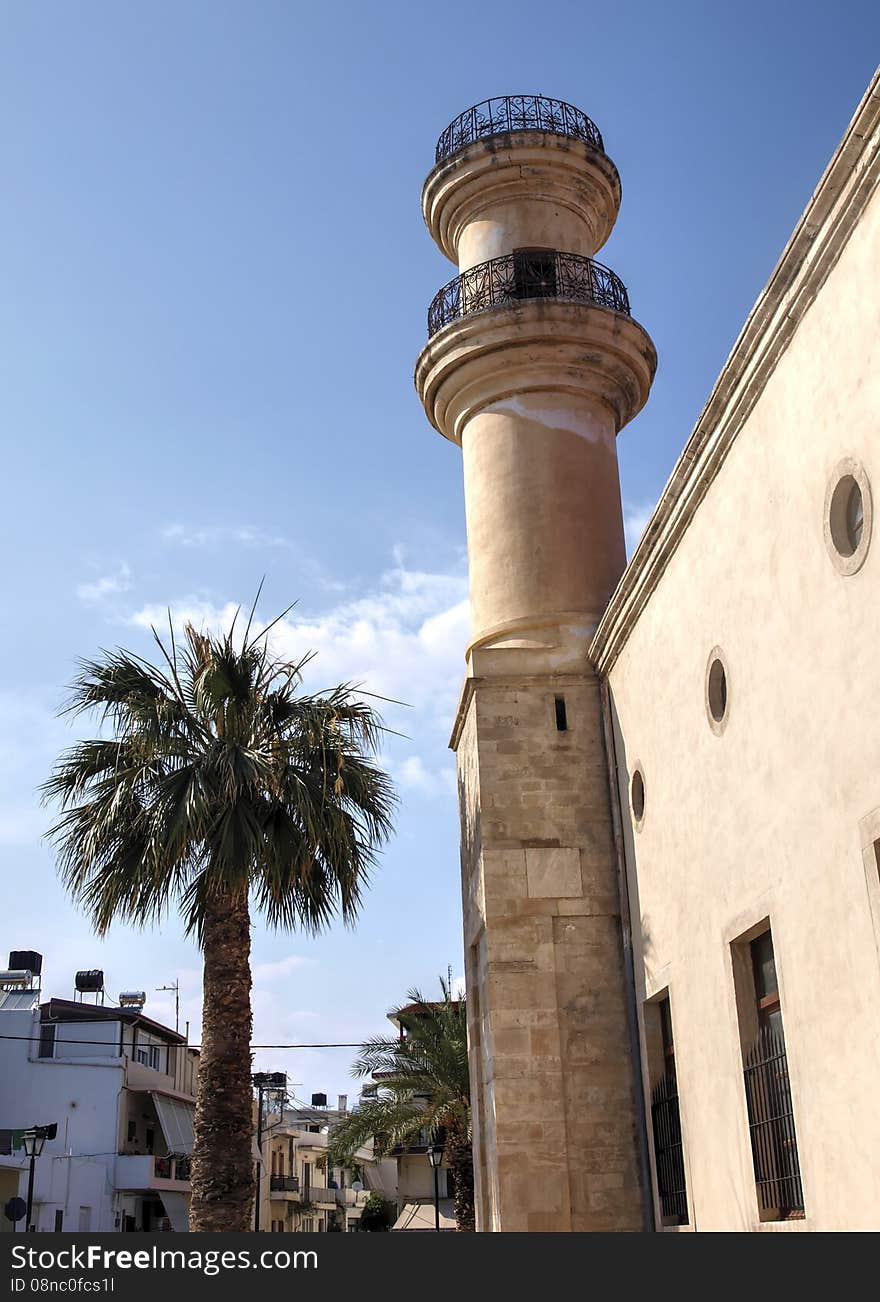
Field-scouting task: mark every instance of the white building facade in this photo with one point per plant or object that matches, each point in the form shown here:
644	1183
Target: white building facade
120	1088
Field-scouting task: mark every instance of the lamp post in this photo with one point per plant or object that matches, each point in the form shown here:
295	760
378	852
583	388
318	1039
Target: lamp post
435	1157
33	1141
264	1082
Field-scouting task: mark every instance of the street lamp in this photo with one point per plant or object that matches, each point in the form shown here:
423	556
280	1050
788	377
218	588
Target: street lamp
435	1157
33	1141
264	1082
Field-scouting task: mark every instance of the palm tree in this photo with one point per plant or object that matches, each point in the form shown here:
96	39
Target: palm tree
220	784
423	1084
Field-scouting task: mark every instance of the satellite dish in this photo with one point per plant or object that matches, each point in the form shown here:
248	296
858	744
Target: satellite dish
15	1209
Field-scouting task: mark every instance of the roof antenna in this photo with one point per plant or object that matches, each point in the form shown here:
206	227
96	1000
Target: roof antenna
176	988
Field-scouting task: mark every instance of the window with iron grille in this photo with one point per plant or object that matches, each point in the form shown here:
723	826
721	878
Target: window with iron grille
534	273
769	1105
665	1118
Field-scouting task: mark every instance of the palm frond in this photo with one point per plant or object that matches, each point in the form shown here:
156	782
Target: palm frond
220	775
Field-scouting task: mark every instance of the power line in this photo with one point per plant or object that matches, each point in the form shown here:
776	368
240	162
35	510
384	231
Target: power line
34	1039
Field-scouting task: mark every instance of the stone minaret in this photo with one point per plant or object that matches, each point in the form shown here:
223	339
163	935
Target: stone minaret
533	365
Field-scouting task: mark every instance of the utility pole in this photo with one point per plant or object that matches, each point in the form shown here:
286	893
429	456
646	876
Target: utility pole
176	988
264	1082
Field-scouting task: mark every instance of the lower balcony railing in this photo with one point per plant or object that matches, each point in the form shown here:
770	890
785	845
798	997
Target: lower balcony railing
284	1183
172	1168
148	1171
531	273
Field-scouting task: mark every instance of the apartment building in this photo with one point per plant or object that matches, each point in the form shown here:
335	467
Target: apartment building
298	1191
119	1087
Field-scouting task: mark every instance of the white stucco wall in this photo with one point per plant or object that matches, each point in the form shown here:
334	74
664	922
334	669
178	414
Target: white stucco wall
82	1097
768	818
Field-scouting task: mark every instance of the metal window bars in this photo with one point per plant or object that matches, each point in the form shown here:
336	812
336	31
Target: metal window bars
771	1127
506	113
529	274
668	1151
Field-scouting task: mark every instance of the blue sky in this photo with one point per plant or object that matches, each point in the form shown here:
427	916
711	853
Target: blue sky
214	289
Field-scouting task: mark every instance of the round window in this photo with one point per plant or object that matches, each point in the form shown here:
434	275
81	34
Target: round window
637	795
847	520
717	690
848	517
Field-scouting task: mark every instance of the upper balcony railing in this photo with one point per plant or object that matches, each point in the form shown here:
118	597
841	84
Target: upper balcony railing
284	1183
494	117
529	274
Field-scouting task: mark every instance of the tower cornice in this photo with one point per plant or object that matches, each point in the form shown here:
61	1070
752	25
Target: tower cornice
515	182
534	345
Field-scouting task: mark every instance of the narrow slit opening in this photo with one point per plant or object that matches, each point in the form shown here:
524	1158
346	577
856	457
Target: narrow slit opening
561	720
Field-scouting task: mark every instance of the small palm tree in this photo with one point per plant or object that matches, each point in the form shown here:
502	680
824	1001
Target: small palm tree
221	783
423	1084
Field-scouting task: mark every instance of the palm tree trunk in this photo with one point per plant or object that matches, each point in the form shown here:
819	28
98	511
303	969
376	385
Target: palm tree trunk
459	1155
223	1163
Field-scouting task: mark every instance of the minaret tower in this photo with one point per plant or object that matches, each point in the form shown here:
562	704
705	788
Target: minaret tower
533	366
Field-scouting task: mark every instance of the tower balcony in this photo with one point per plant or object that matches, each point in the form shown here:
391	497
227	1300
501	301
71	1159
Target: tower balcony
508	280
513	113
521	171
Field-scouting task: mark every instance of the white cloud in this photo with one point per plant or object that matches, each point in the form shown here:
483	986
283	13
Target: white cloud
245	535
635	518
266	973
413	774
404	639
107	586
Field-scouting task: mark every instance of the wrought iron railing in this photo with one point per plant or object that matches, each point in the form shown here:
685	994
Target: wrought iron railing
529	274
284	1183
771	1127
494	117
668	1153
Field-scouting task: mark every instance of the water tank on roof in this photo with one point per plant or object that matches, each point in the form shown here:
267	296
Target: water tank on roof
132	999
28	959
90	982
319	1100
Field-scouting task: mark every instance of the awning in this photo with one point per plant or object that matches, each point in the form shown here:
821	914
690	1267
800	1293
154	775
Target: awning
177	1210
420	1216
176	1120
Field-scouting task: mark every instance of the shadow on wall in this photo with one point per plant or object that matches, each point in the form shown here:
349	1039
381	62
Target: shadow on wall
639	923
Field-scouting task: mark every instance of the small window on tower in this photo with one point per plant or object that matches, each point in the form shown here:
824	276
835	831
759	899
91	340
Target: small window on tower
561	717
534	273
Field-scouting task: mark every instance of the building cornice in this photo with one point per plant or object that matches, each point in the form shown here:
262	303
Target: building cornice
815	245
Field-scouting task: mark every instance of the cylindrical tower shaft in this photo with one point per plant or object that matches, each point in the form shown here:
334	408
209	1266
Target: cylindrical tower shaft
533	365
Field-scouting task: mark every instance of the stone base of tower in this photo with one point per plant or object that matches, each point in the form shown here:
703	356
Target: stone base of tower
552	1077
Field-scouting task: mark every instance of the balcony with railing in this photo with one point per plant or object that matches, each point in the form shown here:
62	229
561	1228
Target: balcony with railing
527	274
280	1185
149	1171
509	113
